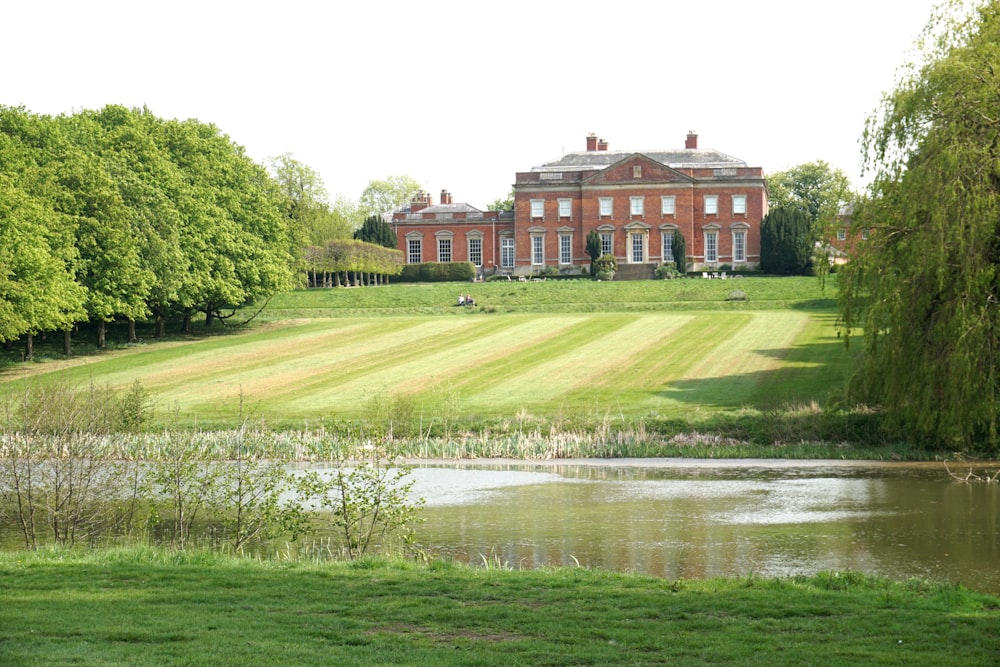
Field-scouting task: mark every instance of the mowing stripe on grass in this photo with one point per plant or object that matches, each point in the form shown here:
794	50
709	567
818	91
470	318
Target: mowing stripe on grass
317	366
428	372
728	374
638	385
488	384
604	345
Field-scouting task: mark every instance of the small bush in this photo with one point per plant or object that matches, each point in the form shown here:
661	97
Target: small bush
667	271
737	295
604	267
549	272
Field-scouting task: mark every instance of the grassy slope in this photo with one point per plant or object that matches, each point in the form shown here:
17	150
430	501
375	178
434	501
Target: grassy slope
148	607
554	349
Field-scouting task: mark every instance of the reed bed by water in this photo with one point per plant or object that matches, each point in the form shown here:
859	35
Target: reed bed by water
321	446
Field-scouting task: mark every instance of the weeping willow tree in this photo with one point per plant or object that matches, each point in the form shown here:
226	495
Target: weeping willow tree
923	291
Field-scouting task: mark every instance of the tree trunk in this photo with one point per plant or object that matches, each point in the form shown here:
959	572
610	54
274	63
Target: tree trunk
131	331
209	317
186	323
68	342
29	347
102	329
161	326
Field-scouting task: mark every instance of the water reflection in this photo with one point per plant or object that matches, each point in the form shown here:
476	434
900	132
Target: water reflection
688	518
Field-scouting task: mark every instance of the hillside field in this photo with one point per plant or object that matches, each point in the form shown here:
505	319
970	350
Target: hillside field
553	350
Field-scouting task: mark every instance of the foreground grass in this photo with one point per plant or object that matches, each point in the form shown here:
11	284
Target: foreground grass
156	607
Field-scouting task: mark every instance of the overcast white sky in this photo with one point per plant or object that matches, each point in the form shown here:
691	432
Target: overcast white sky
461	95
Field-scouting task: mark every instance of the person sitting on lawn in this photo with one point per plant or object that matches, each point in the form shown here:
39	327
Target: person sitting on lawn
461	299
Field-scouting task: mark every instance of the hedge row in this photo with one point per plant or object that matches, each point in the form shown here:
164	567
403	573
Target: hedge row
437	272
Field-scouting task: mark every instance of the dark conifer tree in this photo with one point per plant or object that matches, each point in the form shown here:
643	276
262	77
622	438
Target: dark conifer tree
378	231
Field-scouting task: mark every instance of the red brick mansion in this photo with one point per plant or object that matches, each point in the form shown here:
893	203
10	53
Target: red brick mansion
634	200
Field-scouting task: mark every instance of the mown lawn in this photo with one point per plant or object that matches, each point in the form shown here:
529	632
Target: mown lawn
486	365
149	607
763	293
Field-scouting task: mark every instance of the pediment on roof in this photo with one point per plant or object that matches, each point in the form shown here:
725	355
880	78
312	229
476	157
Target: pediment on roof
636	168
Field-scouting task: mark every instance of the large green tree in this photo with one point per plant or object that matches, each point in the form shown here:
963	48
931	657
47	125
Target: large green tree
502	203
39	258
311	219
235	235
924	290
152	187
786	241
108	240
384	196
816	187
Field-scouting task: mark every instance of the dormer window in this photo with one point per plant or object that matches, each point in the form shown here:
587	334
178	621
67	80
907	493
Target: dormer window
637	171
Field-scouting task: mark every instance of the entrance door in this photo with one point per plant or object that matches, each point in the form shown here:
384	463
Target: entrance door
638	248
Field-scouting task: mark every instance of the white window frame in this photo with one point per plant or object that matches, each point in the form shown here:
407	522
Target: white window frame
739	245
841	234
637	247
607	243
566	208
711	204
712	247
445	249
668	205
668	245
537	208
605	206
506	252
537	249
475	251
739	204
414	251
864	234
636	205
565	248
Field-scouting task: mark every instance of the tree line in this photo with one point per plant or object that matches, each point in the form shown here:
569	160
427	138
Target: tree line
119	215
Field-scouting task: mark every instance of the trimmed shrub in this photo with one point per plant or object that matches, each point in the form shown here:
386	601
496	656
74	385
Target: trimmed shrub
667	271
438	272
604	267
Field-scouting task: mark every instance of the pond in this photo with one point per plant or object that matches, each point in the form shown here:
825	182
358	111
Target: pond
681	518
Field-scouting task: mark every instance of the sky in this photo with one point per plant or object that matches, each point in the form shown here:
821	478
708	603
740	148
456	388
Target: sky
462	95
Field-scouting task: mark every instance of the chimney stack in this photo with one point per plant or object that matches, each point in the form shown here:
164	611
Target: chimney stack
602	145
692	140
591	142
420	201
